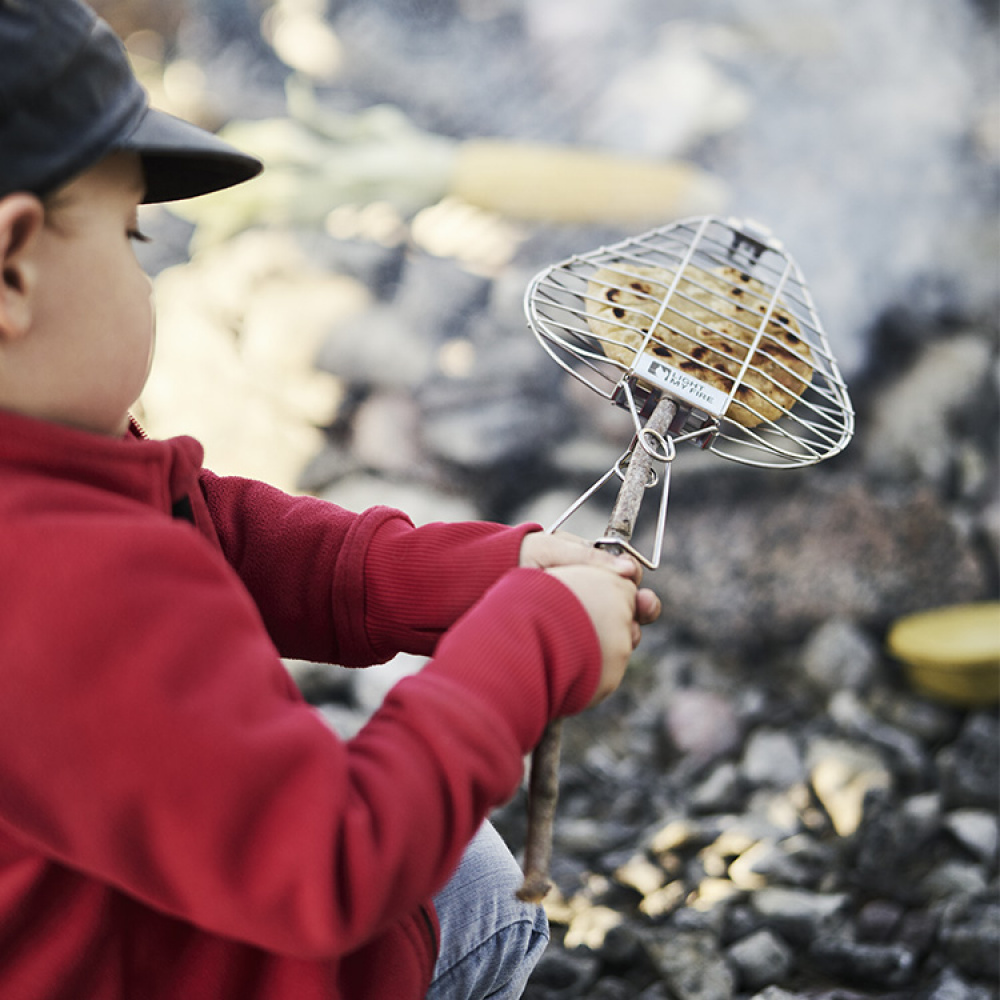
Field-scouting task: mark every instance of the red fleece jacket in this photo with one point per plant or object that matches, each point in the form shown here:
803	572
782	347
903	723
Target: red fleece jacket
175	821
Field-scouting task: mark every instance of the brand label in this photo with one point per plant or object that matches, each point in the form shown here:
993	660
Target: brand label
682	386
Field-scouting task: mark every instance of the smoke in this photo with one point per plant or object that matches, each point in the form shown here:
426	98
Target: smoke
865	135
870	147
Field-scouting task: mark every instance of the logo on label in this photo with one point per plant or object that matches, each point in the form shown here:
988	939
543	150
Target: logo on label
682	386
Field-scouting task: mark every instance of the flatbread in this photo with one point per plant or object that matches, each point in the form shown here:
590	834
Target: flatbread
707	335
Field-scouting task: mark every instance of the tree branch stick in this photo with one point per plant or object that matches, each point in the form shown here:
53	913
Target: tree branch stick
543	786
543	794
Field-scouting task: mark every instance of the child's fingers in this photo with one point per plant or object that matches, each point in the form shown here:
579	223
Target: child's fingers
647	606
541	550
627	567
610	601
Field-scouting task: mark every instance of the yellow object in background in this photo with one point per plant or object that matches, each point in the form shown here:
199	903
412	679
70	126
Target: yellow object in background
546	183
318	160
952	653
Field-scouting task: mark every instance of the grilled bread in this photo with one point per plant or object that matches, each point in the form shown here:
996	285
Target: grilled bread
705	332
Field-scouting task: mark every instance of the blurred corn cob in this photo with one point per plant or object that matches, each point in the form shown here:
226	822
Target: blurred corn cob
317	160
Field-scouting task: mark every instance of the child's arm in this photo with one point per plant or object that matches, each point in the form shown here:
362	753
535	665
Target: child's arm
355	589
152	740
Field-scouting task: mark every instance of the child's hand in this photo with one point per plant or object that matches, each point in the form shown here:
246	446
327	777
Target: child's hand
542	550
611	601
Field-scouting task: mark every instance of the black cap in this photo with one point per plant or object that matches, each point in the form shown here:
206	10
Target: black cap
68	98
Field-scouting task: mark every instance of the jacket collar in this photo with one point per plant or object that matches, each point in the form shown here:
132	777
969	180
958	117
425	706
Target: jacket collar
159	473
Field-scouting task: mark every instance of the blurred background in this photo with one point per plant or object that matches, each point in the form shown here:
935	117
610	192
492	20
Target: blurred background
350	324
866	138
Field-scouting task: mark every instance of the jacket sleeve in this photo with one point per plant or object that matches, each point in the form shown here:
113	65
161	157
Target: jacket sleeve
152	741
354	589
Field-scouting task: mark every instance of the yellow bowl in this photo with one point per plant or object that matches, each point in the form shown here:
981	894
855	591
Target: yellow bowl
952	653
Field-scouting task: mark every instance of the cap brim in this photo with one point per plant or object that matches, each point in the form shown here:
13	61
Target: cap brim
181	160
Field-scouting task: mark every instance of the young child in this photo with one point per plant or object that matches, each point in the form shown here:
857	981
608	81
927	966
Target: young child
175	821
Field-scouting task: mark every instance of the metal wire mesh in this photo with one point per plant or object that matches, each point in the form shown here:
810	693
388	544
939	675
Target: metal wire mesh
717	316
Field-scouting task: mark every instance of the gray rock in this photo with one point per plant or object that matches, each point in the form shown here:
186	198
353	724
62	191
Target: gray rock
910	432
968	767
838	655
438	297
770	863
564	976
798	915
584	460
611	988
656	991
385	435
878	921
373	264
950	986
700	723
809	862
953	880
479	425
377	348
922	813
977	830
499	404
320	682
769	813
760	959
691	965
925	720
918	930
857	720
622	946
589	837
331	463
546	508
772	757
889	848
970	937
776	565
868	965
506	298
721	791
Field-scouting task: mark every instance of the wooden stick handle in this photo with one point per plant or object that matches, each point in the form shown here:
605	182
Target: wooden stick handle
543	785
621	524
543	795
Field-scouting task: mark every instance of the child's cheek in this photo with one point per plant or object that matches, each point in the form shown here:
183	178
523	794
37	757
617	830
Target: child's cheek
152	331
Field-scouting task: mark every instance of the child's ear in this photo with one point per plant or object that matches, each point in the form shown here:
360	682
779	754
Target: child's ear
22	215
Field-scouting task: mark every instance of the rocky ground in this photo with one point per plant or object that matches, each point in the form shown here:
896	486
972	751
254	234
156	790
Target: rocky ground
769	808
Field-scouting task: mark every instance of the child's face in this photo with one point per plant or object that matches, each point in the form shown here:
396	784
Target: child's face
93	318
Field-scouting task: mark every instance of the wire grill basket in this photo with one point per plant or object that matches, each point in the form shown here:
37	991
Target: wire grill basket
715	315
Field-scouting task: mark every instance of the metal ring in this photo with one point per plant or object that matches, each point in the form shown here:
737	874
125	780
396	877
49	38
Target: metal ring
651	479
669	452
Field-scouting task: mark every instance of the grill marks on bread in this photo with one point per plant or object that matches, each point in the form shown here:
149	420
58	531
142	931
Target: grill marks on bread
705	332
